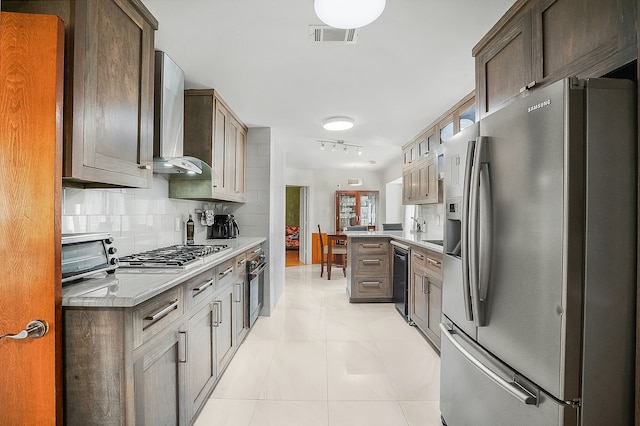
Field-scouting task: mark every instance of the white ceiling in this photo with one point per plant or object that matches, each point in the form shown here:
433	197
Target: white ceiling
407	68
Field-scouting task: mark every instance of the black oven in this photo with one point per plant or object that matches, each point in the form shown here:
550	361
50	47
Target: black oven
256	266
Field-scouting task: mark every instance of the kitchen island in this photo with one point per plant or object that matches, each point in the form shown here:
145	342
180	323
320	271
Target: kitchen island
369	265
418	295
148	346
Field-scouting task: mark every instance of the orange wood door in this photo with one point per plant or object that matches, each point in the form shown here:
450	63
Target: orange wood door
31	72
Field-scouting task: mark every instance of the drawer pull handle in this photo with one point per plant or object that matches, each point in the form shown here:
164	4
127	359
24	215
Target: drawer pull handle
371	261
162	312
242	262
371	283
226	272
418	256
370	245
202	287
258	250
433	262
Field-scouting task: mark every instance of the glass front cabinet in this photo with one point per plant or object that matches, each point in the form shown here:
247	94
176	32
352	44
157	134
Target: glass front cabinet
356	208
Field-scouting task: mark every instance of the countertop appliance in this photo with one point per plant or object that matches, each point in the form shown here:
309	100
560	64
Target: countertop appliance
172	257
400	283
538	300
87	253
224	226
256	266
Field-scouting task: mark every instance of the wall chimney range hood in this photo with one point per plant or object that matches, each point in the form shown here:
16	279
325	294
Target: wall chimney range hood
168	128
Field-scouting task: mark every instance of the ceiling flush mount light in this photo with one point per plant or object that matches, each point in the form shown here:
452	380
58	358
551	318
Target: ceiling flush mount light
337	124
348	14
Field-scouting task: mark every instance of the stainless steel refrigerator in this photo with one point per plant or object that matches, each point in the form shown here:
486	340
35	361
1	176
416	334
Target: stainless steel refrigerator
540	259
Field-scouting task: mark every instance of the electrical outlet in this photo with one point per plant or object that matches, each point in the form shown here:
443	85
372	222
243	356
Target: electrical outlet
178	224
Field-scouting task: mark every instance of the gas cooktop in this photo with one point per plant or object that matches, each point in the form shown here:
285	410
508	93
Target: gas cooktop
174	257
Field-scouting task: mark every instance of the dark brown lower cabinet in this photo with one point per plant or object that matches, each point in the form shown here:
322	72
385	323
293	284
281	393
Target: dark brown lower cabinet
202	369
425	307
158	376
155	363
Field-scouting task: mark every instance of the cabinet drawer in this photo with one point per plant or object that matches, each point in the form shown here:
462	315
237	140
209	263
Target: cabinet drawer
371	265
373	287
241	266
224	274
366	246
155	314
430	260
200	288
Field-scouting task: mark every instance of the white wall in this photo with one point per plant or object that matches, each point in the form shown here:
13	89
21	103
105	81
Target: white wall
263	213
393	207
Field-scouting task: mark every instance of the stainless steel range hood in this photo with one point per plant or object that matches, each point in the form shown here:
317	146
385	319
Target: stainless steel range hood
168	126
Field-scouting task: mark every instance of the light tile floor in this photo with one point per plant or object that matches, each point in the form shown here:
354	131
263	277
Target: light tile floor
320	360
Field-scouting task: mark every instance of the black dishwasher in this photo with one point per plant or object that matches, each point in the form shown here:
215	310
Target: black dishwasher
401	279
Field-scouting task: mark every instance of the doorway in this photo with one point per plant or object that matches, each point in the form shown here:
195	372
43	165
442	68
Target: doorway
296	225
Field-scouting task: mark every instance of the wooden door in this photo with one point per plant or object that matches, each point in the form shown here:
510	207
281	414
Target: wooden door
31	71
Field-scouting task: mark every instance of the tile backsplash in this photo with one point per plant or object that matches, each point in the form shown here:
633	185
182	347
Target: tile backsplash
138	219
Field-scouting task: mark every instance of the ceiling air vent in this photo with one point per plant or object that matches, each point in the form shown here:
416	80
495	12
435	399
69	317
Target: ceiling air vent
325	34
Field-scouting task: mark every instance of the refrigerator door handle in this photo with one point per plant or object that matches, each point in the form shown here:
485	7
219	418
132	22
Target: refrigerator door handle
513	388
485	223
473	230
464	250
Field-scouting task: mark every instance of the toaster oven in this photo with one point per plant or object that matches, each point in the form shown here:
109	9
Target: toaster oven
87	253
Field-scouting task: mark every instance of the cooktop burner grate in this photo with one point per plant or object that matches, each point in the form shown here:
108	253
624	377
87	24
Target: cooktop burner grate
177	256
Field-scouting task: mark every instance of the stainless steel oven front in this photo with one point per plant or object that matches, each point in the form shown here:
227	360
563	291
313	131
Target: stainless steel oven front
256	266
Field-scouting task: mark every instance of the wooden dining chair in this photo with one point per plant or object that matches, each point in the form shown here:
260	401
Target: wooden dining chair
336	249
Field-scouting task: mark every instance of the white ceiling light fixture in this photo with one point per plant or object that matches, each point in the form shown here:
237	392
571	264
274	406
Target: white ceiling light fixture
348	14
338	124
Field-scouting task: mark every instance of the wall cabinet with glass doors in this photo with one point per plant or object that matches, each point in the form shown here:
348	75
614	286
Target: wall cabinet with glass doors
422	157
356	208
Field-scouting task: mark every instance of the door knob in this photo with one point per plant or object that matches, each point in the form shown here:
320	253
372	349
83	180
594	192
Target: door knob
35	329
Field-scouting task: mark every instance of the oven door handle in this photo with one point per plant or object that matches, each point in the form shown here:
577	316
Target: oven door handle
253	274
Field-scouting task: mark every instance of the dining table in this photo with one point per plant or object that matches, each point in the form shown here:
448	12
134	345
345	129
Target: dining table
335	238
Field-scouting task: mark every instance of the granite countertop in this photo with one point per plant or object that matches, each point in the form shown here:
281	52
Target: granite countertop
419	239
128	287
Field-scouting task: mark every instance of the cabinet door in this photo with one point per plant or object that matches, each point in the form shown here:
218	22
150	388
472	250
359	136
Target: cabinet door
158	377
346	209
240	164
219	166
586	38
201	351
504	65
367	208
224	325
406	187
239	310
434	288
428	181
108	100
420	300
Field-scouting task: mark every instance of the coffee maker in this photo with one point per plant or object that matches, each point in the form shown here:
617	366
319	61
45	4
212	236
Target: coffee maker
224	226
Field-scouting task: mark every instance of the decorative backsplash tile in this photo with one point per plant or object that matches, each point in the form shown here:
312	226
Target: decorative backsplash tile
138	219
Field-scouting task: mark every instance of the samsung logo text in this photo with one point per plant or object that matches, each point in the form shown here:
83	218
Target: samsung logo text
540	105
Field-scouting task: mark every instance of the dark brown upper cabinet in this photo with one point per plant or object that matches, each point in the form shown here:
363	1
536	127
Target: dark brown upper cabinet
108	95
538	42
